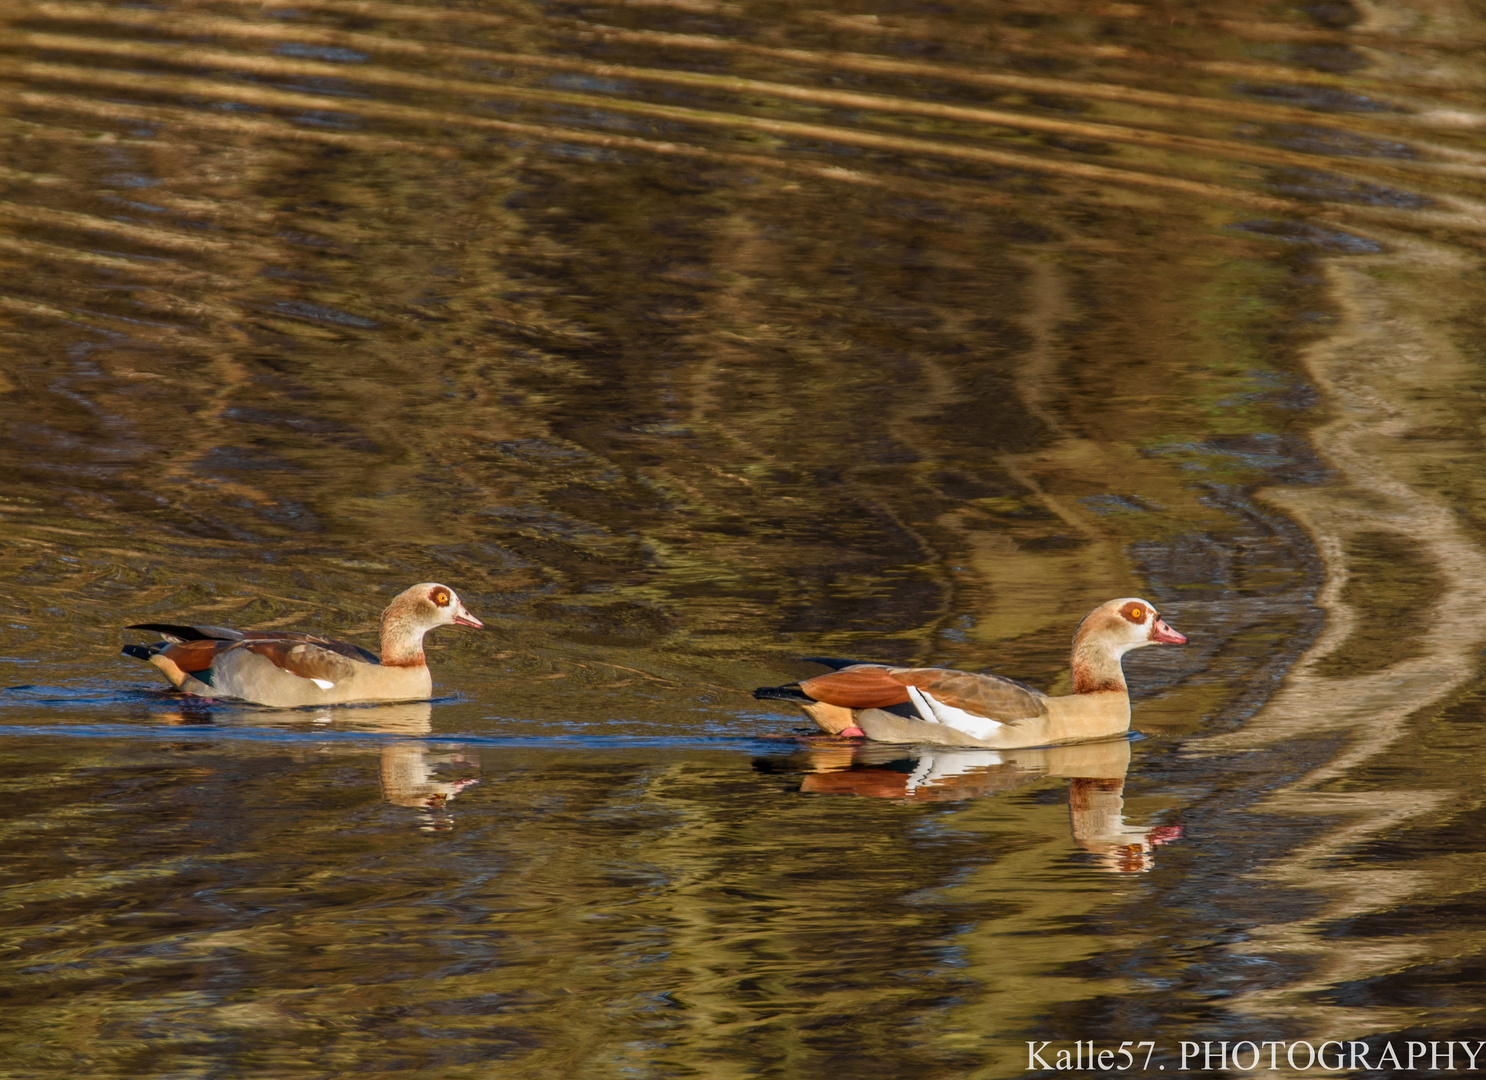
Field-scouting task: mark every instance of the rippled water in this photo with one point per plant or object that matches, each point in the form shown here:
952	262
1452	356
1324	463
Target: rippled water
686	338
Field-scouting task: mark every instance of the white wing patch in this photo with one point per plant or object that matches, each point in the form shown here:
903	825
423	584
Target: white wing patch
937	712
323	684
921	703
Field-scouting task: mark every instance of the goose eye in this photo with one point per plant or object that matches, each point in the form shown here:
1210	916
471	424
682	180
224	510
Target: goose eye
441	598
1134	612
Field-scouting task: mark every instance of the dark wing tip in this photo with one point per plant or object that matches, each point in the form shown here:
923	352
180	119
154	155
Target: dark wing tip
792	692
177	632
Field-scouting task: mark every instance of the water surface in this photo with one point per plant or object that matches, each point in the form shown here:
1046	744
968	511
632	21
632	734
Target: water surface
685	339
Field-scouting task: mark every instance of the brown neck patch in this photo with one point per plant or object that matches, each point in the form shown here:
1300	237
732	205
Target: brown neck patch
1094	668
1087	679
419	661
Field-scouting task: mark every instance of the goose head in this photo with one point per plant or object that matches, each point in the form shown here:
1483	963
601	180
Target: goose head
413	613
432	604
1108	633
1128	623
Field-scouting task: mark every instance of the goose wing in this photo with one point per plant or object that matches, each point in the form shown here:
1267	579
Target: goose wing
340	648
978	697
203	643
990	697
309	658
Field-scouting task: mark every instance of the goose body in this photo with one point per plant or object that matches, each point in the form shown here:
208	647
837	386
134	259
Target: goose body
285	669
944	707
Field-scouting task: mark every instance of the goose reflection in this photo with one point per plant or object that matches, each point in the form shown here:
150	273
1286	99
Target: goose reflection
410	769
1096	786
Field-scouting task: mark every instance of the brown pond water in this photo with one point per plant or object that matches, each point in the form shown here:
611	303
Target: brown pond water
686	338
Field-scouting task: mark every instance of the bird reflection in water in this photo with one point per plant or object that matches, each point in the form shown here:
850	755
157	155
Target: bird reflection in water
1096	786
413	773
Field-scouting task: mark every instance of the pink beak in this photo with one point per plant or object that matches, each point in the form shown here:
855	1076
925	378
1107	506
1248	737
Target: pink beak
1166	635
462	617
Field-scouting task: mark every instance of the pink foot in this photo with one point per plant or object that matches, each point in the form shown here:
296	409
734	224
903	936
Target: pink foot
852	732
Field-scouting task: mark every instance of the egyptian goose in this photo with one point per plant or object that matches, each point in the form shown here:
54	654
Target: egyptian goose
284	669
956	708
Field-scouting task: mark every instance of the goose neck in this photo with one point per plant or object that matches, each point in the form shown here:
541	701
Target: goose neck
1096	667
402	640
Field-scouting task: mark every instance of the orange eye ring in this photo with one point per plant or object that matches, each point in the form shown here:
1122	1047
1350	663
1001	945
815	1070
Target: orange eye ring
441	598
1134	612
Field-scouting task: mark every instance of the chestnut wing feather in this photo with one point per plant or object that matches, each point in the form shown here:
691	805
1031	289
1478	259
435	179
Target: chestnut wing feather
865	687
990	696
196	655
